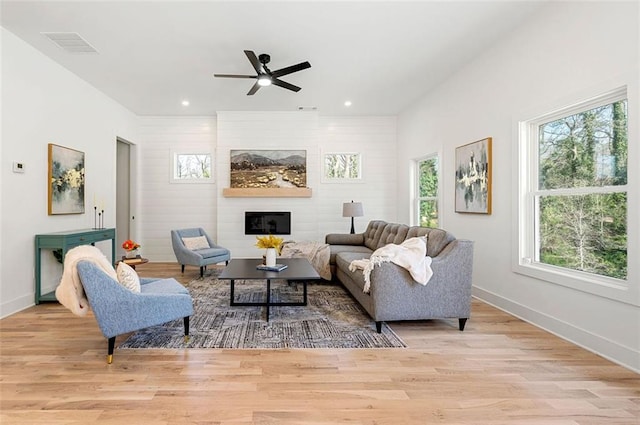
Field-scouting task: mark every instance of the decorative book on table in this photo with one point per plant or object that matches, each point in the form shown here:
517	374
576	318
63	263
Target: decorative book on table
276	268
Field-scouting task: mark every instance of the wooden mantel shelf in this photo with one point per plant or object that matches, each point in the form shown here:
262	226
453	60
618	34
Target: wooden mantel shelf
267	192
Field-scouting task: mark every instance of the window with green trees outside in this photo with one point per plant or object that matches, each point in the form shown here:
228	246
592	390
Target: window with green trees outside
580	197
427	188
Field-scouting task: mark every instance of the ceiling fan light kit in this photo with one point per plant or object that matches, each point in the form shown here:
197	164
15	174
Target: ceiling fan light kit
264	80
264	76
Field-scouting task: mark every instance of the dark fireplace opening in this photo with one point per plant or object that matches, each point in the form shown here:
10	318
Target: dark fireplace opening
267	222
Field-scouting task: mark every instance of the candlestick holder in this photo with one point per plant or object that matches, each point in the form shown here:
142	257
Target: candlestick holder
95	217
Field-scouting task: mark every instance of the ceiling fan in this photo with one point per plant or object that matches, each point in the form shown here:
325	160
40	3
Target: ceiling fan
265	76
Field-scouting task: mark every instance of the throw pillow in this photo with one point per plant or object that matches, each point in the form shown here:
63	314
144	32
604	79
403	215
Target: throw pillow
199	242
128	277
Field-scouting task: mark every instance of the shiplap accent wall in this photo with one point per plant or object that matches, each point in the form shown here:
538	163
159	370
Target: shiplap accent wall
161	205
312	217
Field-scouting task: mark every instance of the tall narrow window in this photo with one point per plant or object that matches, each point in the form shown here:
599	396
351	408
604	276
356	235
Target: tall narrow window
576	191
427	208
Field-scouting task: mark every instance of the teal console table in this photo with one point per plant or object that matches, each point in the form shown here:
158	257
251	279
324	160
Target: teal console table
66	241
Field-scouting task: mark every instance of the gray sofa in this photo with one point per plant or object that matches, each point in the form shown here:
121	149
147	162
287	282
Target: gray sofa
394	295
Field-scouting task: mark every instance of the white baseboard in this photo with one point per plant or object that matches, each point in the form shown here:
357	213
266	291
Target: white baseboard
611	350
16	305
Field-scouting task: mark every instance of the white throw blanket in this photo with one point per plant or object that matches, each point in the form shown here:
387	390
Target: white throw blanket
70	292
411	255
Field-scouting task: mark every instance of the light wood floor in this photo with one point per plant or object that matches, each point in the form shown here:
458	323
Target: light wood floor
500	370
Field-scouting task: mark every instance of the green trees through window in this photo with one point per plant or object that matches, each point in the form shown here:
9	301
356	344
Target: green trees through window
192	166
581	197
427	186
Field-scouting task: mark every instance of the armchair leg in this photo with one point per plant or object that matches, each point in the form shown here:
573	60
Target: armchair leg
201	271
379	327
182	267
461	323
186	329
112	345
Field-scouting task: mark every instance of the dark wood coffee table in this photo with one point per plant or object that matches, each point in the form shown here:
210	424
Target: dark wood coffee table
298	270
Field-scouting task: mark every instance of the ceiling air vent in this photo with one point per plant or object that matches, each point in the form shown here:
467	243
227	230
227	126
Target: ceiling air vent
70	42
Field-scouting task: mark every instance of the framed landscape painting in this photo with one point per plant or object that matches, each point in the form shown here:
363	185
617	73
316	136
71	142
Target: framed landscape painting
268	168
473	177
65	180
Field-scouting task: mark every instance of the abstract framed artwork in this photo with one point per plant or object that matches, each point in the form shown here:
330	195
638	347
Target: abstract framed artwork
473	177
65	180
268	169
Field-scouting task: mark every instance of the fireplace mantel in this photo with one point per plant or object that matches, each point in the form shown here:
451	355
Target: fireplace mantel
267	192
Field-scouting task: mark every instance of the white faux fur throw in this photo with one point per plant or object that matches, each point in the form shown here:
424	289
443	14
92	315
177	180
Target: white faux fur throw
411	254
70	292
317	253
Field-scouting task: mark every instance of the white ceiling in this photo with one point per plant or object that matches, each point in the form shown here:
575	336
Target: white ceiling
381	55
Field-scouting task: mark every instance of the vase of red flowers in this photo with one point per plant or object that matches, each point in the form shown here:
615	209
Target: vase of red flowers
131	248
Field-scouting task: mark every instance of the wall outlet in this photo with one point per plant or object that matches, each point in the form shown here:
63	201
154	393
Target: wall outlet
18	167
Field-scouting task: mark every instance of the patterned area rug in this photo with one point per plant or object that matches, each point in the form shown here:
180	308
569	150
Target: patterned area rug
332	319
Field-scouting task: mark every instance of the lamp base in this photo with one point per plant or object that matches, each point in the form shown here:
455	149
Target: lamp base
353	229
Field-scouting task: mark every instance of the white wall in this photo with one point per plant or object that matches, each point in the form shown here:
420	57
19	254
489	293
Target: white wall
311	217
162	205
566	50
44	103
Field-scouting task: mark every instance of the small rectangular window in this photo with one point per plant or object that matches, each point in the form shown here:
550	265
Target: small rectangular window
341	166
191	167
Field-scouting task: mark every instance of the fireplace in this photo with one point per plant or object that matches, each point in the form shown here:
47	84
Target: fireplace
267	222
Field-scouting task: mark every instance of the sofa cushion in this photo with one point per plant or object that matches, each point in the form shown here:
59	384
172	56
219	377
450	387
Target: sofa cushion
164	286
361	251
343	260
437	239
211	252
393	233
373	233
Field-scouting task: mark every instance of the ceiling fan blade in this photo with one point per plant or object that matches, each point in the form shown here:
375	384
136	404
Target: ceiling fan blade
254	89
284	85
291	69
233	76
254	61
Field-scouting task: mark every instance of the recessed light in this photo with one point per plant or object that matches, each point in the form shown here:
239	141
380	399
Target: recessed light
185	103
347	103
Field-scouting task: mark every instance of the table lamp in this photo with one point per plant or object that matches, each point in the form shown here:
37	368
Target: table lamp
352	209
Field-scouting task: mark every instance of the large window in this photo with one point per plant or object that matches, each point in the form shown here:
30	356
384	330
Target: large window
573	211
426	199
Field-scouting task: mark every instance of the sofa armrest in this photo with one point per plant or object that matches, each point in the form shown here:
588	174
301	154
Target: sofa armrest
447	294
344	239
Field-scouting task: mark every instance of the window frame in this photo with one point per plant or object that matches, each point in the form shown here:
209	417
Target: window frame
527	193
327	179
415	216
174	153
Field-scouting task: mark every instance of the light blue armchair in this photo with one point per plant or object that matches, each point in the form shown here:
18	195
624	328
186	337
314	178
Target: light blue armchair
119	310
200	257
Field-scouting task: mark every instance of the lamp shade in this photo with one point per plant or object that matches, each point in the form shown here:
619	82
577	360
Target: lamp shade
352	209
